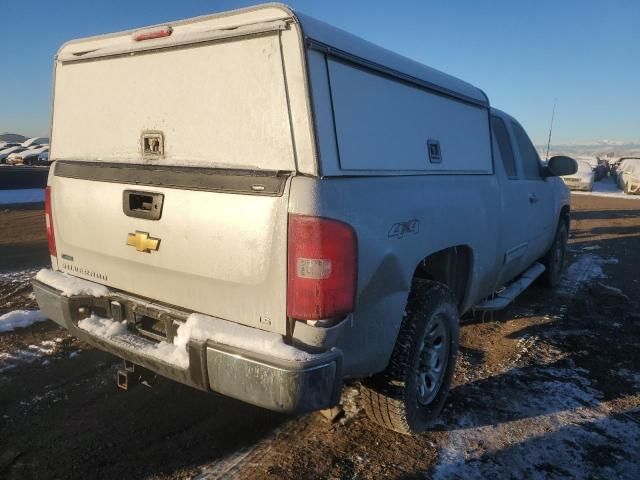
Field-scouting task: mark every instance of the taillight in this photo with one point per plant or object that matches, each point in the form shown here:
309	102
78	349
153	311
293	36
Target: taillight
48	218
322	268
151	33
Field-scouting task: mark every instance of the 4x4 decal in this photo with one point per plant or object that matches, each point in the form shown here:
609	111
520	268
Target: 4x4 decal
401	229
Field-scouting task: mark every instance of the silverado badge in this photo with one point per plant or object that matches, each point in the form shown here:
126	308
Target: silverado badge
143	242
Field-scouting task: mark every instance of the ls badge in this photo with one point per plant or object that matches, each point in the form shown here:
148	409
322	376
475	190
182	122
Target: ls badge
143	242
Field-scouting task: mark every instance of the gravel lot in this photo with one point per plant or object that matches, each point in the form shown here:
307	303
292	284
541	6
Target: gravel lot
549	388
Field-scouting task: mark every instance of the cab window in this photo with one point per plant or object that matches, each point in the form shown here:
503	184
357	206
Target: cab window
504	146
531	165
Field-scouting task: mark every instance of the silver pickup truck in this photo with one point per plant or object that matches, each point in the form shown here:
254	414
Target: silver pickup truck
262	205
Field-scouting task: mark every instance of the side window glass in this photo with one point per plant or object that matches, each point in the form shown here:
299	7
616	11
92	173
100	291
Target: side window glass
504	145
530	159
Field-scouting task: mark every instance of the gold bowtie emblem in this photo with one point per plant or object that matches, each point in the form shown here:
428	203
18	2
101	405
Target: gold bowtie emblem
143	242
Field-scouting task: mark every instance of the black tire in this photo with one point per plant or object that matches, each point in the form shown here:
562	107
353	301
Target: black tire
555	258
397	398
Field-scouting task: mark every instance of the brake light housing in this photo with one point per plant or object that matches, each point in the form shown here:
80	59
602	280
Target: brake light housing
322	268
151	33
48	218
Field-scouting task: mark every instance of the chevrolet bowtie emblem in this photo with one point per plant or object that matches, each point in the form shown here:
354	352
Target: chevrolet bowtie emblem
143	242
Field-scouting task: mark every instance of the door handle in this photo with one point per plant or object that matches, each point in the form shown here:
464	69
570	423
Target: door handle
533	198
139	204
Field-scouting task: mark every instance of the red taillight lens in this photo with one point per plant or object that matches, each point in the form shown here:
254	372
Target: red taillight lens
48	218
322	268
152	33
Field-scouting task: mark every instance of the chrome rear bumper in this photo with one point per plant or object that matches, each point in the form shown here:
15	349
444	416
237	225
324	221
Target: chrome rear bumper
262	380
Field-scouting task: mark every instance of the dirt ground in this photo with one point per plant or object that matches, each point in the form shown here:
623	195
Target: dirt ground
549	388
23	241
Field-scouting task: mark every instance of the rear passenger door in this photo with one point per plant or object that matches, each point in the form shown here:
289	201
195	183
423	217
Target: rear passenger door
513	240
539	194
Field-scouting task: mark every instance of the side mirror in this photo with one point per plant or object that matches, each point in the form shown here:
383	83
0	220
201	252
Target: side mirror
560	166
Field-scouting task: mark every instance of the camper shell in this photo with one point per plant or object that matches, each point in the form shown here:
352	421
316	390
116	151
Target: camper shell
311	83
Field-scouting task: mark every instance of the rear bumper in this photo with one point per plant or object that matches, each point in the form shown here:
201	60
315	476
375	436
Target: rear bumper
253	377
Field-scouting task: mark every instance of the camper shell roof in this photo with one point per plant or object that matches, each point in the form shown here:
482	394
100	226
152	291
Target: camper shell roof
315	33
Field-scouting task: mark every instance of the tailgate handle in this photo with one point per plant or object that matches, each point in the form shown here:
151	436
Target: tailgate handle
139	204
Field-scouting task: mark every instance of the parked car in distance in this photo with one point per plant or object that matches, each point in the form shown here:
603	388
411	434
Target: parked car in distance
583	179
312	235
627	175
10	150
5	145
598	167
619	170
32	142
43	159
26	157
601	169
615	165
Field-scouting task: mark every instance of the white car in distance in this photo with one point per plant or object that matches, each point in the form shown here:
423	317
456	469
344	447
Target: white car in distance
581	180
629	176
5	152
26	156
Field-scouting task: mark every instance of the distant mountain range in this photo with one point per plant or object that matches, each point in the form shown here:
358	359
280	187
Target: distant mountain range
12	137
601	148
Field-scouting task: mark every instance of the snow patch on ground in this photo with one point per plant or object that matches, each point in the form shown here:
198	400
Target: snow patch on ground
554	410
585	268
19	276
27	195
10	360
541	420
69	285
20	319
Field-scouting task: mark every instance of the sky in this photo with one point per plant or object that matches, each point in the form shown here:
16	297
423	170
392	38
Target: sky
523	54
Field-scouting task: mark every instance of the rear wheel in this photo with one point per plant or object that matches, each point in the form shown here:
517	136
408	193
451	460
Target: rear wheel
555	258
408	396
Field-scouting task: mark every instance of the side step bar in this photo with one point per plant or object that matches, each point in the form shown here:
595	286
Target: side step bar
505	297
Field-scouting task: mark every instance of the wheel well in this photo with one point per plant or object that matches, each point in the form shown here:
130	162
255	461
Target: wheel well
451	266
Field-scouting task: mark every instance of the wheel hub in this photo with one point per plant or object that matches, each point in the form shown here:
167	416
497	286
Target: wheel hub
433	359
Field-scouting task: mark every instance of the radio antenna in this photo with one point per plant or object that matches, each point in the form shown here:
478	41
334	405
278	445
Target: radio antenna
553	114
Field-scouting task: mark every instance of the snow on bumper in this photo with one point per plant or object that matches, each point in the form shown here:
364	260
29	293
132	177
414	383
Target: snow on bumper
207	353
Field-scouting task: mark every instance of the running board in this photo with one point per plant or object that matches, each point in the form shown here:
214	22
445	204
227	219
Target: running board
515	288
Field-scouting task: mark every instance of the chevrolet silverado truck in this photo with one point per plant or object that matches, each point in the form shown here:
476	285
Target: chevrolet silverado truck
259	204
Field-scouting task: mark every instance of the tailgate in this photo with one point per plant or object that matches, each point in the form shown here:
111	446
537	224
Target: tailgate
219	253
202	126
